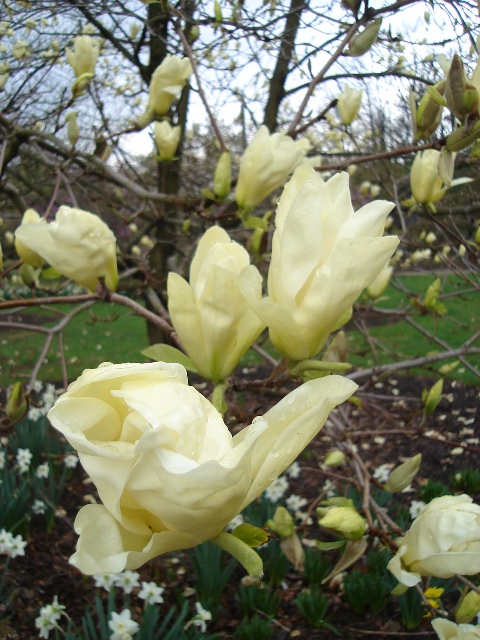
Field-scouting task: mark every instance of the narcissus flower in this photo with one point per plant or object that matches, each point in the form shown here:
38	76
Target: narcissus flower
210	315
168	471
323	255
266	165
77	244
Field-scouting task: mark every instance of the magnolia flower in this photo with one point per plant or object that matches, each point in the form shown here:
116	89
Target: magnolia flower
82	59
166	139
78	244
348	104
210	316
425	182
442	541
323	255
447	630
376	288
24	252
166	83
265	166
168	471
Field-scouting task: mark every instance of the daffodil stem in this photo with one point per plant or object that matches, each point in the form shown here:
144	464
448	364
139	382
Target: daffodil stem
247	556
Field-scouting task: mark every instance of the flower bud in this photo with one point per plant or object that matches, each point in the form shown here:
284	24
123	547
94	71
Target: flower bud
222	180
463	137
428	114
17	405
334	458
348	104
455	88
167	139
27	274
25	253
378	286
432	397
425	182
468	607
166	84
83	59
402	476
365	187
344	522
73	131
282	523
362	42
477	238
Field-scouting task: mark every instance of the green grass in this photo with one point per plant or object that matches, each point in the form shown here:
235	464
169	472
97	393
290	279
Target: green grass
114	334
105	333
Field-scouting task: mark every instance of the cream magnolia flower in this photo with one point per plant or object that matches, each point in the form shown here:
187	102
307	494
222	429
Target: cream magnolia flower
323	255
78	244
25	253
425	182
167	469
266	165
167	82
84	55
348	104
210	315
166	139
447	630
442	541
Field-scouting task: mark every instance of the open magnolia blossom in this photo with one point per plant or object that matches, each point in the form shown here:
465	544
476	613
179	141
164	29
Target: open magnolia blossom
77	244
210	316
442	541
267	163
84	55
167	469
323	255
447	630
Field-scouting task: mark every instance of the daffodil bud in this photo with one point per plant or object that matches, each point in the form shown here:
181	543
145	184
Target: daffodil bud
431	397
167	139
334	458
344	522
468	607
282	523
222	180
362	42
348	104
73	130
402	476
17	405
455	88
378	286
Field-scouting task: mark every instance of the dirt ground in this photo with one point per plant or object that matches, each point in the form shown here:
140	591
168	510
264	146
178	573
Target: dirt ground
386	429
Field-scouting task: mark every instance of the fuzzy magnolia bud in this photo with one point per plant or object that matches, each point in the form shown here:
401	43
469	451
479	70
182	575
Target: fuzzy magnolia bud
427	116
455	89
402	476
468	607
362	42
463	137
344	522
73	130
334	458
222	180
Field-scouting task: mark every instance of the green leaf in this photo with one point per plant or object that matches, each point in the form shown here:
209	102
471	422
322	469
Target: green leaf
329	546
251	535
437	96
166	353
50	273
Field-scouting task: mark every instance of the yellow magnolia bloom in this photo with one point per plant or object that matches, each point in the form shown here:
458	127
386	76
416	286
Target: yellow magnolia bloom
447	630
348	104
210	315
166	140
425	182
167	469
24	252
84	55
77	244
323	255
266	165
167	82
